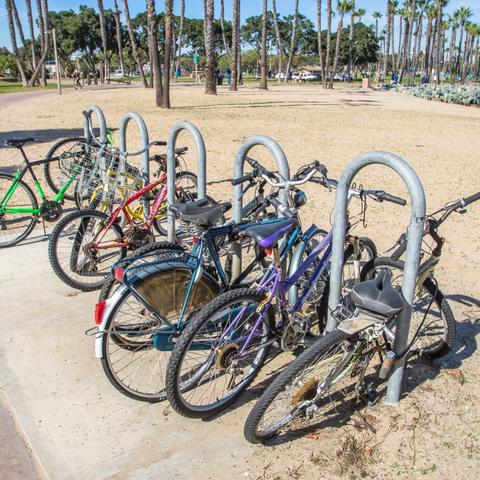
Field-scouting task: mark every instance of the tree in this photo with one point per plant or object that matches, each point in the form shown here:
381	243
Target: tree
103	33
32	33
319	38
133	42
353	14
20	33
165	103
210	86
329	36
278	38
235	45
388	37
154	54
40	69
292	40
263	49
13	40
118	29
343	6
222	24
41	26
464	13
180	35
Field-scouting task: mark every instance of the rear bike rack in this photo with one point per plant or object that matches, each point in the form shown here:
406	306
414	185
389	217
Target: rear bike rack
414	242
172	174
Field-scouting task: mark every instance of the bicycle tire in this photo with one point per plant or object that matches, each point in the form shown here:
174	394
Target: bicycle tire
173	387
61	230
48	167
439	348
206	285
300	364
31	223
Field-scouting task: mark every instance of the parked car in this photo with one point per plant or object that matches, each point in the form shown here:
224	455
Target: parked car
118	73
304	76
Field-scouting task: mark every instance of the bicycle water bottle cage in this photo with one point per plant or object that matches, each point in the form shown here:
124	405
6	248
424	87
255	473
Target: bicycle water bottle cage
378	296
267	234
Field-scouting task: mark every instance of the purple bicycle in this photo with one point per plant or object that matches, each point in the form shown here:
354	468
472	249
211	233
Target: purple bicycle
227	342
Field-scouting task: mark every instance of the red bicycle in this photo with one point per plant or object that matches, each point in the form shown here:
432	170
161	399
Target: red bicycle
85	244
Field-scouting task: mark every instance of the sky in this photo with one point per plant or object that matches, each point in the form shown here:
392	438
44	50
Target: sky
194	9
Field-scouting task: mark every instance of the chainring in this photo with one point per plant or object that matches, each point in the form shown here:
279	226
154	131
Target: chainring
138	237
51	211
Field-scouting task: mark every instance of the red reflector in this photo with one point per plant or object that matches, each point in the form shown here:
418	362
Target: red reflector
194	239
99	311
118	274
268	251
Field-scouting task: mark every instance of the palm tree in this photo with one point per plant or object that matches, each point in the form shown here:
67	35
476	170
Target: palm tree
319	38
440	45
152	21
279	39
464	13
210	86
413	15
222	25
180	35
20	33
454	23
103	33
41	27
377	16
388	38
360	14
133	43
235	44
43	13
32	32
263	49
350	37
292	40
118	33
329	34
394	4
165	102
343	6
13	39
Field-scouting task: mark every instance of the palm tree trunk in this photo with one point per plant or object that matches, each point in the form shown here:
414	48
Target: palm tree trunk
292	40
350	38
133	43
451	48
210	86
40	70
13	39
32	32
118	31
329	34
457	63
263	49
279	40
180	35
400	37
165	102
404	55
20	33
222	25
387	43
337	48
43	78
439	51
319	37
408	59
153	47
235	45
476	67
432	49
103	33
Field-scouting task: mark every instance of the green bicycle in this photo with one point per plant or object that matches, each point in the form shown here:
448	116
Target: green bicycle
19	210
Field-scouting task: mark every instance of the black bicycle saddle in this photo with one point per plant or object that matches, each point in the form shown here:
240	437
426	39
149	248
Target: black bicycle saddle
17	142
200	212
378	295
267	234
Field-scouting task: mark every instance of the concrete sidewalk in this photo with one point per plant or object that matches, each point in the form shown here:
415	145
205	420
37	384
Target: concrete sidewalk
77	424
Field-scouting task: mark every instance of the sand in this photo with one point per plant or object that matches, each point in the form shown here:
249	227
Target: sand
435	431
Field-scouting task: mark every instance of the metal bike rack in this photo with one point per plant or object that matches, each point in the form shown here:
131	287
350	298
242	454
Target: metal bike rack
101	120
415	232
283	168
172	174
145	142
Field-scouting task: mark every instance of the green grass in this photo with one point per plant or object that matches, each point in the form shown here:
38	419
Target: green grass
11	87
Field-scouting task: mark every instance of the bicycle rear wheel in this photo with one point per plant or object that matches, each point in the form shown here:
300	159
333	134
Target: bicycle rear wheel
312	390
15	227
215	359
81	252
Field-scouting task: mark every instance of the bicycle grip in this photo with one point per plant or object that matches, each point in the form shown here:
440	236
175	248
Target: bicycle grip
243	179
471	199
392	198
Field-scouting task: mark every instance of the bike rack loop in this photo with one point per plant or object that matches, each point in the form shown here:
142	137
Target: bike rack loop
282	164
101	120
172	174
415	232
145	142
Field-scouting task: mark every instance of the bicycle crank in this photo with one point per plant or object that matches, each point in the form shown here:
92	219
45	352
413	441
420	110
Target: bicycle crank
50	211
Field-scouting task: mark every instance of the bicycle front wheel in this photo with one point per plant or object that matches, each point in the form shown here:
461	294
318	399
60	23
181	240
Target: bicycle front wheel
219	354
15	227
312	390
82	251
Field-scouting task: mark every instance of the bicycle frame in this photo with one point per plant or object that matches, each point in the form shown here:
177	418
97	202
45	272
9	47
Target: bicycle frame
20	173
159	199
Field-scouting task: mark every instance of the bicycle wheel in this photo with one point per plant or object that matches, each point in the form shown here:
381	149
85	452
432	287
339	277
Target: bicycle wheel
163	250
136	344
15	227
215	359
312	390
437	332
354	264
72	150
81	252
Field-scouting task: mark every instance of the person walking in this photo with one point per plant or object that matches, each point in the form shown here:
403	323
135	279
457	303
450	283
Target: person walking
76	79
